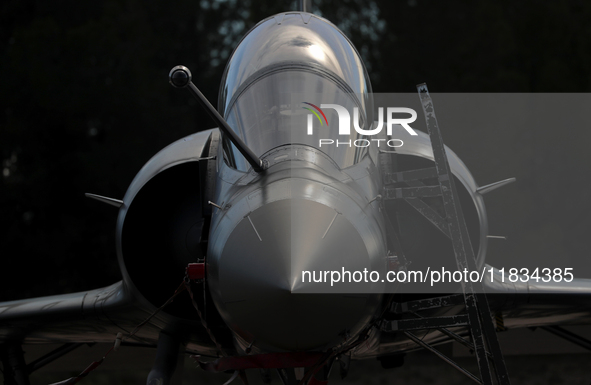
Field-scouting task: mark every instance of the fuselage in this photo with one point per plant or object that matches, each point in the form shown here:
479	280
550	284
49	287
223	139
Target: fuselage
314	208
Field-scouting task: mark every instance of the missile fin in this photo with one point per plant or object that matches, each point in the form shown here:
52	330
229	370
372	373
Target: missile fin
111	201
493	186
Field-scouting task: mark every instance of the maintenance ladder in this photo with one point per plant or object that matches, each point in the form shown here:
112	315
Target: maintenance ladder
477	317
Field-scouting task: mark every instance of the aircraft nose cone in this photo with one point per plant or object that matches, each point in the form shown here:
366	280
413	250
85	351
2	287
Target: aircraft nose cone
259	276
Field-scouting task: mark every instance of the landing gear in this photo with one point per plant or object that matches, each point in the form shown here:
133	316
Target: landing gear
167	357
13	364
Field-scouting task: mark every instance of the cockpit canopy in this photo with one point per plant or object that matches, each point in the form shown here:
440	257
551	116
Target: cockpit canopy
285	58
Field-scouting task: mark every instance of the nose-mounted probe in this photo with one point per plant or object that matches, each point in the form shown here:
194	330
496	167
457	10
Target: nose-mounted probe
180	77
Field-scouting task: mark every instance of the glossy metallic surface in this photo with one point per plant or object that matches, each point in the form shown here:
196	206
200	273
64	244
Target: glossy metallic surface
286	55
304	217
311	210
293	41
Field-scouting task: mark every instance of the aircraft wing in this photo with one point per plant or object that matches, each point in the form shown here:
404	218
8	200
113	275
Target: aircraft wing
530	303
91	316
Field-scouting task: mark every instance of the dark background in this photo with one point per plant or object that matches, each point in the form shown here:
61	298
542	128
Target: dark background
85	102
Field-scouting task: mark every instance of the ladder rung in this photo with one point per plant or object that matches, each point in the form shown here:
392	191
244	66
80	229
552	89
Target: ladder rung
427	323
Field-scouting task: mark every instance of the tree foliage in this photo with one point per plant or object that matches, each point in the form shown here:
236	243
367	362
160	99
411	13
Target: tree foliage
85	99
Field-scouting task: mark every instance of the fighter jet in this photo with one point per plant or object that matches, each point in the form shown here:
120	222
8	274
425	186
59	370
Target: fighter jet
215	232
